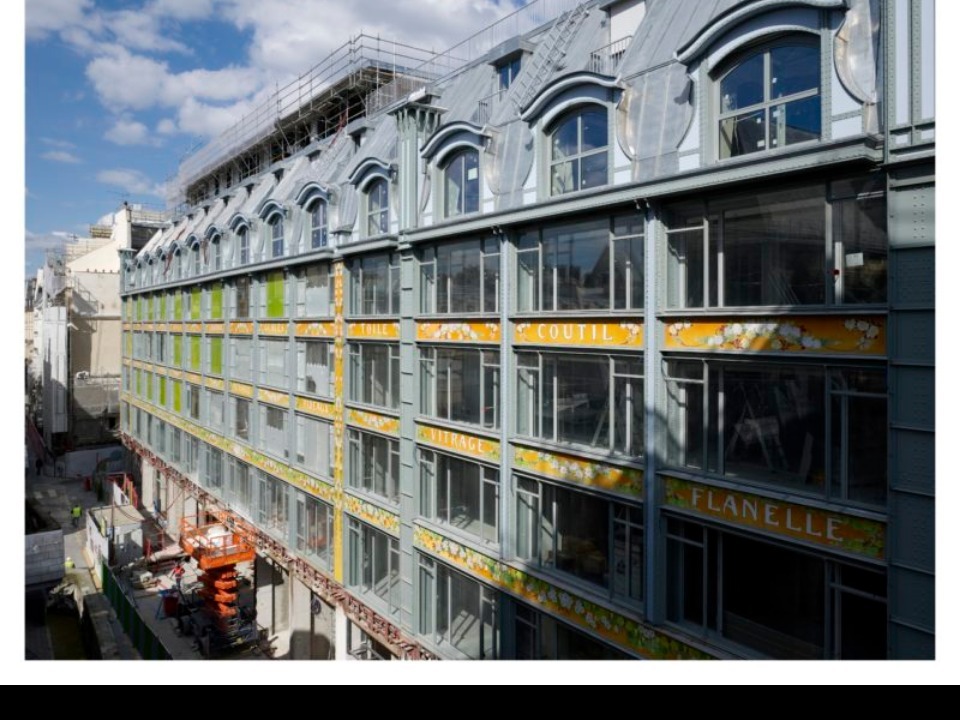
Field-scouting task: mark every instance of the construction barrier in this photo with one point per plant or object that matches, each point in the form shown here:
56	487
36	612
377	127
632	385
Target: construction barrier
140	634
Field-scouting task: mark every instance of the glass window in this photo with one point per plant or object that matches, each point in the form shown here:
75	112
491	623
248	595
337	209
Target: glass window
778	602
315	291
772	250
460	493
457	611
596	265
578	151
241	298
373	464
507	72
541	637
276	235
239	490
273	431
315	530
195	259
212	478
375	285
581	534
241	359
462	385
461	184
318	225
378	208
243	245
273	363
767	424
215	355
770	99
216	252
374	564
315	367
593	400
273	511
273	300
375	374
240	414
215	410
192	404
460	277
315	445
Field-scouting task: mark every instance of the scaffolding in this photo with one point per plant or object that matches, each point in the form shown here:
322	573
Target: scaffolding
364	76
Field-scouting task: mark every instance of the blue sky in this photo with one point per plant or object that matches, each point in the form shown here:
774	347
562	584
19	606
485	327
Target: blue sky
116	92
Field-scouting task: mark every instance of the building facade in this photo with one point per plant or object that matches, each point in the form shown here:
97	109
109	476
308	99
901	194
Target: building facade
615	341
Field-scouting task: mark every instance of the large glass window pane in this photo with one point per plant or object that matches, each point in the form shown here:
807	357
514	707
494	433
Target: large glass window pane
685	410
581	535
863	238
774	425
780	611
742	87
583	400
774	252
794	69
580	256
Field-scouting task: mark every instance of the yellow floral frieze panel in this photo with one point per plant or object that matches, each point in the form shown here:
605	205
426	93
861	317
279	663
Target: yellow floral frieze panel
371	513
813	335
374	421
214	328
149	327
577	470
316	329
176	327
581	612
339	426
241	390
488	332
195	328
193	378
215	384
460	443
273	397
274	329
319	408
126	326
812	525
373	331
175	374
625	334
241	328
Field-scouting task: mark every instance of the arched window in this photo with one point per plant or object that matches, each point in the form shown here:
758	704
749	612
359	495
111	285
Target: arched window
318	225
578	151
769	98
378	217
276	235
216	253
195	259
461	183
243	245
175	264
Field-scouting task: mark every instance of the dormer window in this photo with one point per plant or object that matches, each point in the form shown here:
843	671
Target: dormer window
578	150
461	183
318	225
769	98
243	245
507	72
378	212
276	235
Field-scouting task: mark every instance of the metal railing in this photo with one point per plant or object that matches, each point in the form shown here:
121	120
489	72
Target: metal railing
606	60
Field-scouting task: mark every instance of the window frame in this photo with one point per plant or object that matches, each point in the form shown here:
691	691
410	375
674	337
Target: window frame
319	235
430	493
376	208
431	389
446	168
362	562
768	104
432	260
577	114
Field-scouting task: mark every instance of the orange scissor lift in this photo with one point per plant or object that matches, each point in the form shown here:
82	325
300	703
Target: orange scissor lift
217	550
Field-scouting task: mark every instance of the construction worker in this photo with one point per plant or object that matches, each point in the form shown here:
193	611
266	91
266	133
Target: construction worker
75	512
177	573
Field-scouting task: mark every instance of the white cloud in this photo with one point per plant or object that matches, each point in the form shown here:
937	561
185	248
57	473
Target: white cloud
167	126
131	181
181	9
126	131
125	81
54	142
61	156
44	241
46	16
140	31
